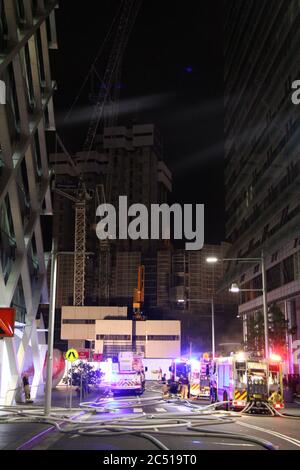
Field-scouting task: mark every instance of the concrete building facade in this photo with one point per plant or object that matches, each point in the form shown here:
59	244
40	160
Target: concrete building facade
27	32
127	161
262	166
108	336
194	281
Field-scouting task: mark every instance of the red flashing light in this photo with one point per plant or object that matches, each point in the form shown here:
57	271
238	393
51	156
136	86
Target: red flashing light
275	358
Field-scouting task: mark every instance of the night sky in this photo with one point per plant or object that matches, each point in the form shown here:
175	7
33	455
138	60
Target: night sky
172	76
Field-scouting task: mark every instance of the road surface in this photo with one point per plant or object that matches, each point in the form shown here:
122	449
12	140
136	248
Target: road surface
174	423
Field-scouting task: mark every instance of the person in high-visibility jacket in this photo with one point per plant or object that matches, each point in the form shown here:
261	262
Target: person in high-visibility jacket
275	398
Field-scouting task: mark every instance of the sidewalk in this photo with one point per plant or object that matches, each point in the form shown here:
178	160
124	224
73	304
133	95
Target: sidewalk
61	398
15	435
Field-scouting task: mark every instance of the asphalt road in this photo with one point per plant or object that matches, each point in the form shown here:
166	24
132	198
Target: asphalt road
283	433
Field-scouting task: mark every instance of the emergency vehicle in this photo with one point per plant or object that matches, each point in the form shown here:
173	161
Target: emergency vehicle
125	376
241	379
197	372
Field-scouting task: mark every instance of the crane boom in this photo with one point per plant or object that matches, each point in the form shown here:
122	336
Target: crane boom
127	19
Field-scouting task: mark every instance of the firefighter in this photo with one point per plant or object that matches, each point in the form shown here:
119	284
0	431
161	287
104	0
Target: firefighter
225	398
184	391
165	389
143	379
26	387
275	398
213	391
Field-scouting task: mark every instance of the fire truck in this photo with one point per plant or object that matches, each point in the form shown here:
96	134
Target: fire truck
197	372
125	376
242	378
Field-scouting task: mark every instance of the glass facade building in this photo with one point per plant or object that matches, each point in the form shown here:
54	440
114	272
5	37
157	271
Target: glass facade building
27	32
262	164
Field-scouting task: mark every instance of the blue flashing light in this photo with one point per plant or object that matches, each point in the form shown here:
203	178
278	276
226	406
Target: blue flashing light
194	362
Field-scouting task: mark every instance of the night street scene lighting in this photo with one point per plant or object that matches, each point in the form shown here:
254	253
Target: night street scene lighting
149	231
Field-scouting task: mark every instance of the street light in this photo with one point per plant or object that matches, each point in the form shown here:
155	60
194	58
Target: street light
212	259
235	288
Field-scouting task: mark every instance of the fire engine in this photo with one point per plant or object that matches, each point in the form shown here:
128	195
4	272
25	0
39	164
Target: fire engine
197	371
241	379
125	376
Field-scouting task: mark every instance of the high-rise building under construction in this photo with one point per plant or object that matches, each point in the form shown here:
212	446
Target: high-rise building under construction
126	161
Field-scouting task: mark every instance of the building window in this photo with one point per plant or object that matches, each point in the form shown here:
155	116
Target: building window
28	80
114	337
78	322
163	338
39	50
18	302
297	265
37	155
284	215
7	238
12	104
3	28
21	14
34	7
274	277
23	191
265	233
288	269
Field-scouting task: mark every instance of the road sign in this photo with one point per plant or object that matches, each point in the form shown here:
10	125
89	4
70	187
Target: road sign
97	357
83	354
7	322
72	355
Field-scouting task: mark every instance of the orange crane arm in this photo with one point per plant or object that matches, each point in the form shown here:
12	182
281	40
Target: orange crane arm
138	295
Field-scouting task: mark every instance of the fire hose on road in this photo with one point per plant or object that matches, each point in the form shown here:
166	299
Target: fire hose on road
194	422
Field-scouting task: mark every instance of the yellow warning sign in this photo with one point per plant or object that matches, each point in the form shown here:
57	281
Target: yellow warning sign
72	355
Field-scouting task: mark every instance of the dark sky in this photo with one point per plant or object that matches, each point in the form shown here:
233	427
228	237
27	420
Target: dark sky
172	76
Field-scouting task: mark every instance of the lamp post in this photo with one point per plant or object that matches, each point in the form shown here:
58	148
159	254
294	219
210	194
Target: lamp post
51	324
235	288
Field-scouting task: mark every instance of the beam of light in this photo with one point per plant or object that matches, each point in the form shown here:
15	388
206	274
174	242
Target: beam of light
197	158
82	115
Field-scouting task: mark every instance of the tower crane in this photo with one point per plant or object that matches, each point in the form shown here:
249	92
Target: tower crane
138	294
81	196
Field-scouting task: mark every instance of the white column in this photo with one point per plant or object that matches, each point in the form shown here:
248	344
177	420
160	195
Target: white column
288	316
